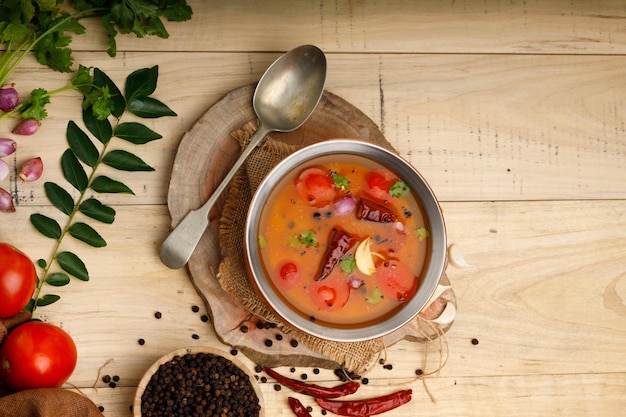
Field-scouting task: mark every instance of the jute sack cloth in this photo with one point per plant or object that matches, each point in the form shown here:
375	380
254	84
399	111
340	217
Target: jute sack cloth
233	276
45	402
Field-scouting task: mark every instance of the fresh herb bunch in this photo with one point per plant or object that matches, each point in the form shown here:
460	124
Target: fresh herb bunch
45	28
103	109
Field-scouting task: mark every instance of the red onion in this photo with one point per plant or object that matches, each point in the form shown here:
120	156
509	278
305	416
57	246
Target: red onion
6	202
9	98
400	227
7	147
345	205
354	281
27	127
4	170
31	170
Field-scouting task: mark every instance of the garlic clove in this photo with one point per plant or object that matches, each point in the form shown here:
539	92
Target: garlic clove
7	147
363	257
6	202
456	258
4	170
438	292
447	316
31	170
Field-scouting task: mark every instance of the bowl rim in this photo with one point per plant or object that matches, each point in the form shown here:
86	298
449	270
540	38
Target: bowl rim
433	272
145	379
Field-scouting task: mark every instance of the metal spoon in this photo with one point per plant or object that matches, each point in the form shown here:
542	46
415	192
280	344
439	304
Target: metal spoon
285	97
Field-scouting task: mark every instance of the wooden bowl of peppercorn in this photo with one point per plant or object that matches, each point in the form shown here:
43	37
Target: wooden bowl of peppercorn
198	381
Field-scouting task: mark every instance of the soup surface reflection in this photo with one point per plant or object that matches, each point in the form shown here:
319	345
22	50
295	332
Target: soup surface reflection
343	241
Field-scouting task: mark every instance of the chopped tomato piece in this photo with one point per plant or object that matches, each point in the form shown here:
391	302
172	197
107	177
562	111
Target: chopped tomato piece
316	187
289	275
396	280
379	182
330	294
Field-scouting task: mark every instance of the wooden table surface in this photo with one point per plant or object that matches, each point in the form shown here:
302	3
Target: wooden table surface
514	111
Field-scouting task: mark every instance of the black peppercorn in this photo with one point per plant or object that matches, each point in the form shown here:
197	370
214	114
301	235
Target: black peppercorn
474	341
293	343
268	343
195	336
204	318
244	329
141	342
106	379
158	315
195	309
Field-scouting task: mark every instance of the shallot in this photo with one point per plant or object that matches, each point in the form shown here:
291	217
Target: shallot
27	127
345	205
354	281
7	147
4	170
31	170
6	202
9	98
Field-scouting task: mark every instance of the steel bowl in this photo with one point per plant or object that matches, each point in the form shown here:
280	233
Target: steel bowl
435	263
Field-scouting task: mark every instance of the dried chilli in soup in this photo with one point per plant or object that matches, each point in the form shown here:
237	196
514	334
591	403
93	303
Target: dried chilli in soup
343	241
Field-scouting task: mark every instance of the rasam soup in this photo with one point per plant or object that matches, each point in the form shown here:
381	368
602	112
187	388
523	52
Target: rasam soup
343	241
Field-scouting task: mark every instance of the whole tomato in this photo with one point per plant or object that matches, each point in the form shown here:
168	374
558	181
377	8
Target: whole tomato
36	355
18	279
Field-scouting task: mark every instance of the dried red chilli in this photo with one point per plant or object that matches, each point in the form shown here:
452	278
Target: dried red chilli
374	212
366	407
298	408
340	244
314	390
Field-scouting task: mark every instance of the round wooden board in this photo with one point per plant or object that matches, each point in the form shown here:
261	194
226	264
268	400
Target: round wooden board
204	156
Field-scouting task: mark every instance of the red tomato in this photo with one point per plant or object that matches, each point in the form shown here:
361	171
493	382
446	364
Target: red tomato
18	279
316	187
36	355
289	275
396	280
379	182
331	293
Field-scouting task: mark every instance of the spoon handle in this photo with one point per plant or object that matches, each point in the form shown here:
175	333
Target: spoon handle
177	248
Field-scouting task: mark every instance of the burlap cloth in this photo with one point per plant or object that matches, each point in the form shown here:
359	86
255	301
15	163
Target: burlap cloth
232	274
46	402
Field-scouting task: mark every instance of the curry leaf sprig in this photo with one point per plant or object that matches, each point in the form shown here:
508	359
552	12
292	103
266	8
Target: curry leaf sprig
80	164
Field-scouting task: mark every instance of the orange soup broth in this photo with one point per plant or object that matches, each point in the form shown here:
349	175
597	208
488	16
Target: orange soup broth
286	215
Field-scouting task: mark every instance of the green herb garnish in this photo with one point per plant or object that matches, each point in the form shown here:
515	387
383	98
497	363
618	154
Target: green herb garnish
340	182
399	189
347	264
422	233
376	296
308	238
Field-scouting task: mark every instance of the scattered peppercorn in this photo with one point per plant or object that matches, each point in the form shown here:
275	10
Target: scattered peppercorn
101	408
277	387
116	378
292	370
304	376
293	343
259	326
309	409
474	341
112	384
365	381
268	343
381	361
106	379
141	342
243	329
324	412
388	366
234	352
199	384
279	336
258	368
195	309
419	372
263	379
158	315
204	318
316	371
195	336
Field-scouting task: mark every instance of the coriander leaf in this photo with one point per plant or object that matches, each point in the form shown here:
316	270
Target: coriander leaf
375	297
83	81
347	264
52	52
177	11
104	105
340	182
102	80
308	238
422	233
13	32
399	189
35	107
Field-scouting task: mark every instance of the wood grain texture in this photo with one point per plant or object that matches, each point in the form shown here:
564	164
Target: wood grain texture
514	112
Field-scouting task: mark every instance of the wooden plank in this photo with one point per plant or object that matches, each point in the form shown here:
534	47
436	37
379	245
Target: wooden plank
469	26
479	127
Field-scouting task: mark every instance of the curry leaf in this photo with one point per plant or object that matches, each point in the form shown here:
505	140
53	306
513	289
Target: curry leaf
98	211
141	83
101	129
59	198
125	161
103	184
136	133
149	108
87	234
72	264
73	171
47	299
103	80
58	279
46	226
81	145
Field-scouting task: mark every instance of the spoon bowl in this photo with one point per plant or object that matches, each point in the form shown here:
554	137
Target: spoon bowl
285	97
